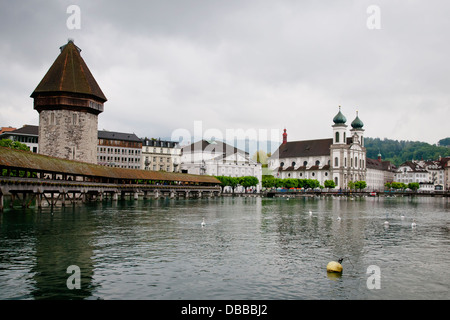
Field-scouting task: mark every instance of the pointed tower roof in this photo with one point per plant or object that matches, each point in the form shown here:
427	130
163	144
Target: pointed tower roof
357	123
339	118
69	73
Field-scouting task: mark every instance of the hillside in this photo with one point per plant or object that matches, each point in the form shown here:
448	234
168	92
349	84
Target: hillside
399	151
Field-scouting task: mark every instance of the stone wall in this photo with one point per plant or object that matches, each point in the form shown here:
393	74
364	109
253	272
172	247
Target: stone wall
68	134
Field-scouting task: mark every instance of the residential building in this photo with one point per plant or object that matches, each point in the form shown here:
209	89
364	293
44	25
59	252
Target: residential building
217	158
160	155
379	172
28	135
118	149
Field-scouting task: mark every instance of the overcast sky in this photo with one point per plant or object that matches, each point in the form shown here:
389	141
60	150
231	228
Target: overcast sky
256	65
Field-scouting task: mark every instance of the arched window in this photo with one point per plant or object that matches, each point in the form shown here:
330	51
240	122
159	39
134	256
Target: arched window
336	162
345	162
356	162
305	163
281	164
317	163
344	137
337	137
293	163
336	181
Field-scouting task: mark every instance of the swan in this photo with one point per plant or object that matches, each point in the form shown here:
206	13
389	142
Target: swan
402	217
386	223
310	212
203	222
339	218
413	224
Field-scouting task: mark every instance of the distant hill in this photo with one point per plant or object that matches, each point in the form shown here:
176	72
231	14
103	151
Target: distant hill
399	151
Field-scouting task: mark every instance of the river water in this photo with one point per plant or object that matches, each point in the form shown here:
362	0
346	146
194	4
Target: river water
250	248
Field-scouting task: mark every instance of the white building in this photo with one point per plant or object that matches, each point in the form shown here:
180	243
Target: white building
219	159
160	155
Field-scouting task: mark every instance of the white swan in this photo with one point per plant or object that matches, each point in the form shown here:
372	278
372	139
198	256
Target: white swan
402	217
310	212
386	223
413	224
203	222
339	218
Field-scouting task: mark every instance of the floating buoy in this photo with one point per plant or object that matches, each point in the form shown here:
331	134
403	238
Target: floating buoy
334	266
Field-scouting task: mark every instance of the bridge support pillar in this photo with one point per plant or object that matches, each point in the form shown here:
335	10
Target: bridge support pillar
156	194
1	201
136	195
115	196
172	194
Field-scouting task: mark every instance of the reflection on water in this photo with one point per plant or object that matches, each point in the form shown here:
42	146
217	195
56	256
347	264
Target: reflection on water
250	248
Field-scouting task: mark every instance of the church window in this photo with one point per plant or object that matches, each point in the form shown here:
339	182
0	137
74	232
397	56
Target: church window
293	163
336	162
337	137
345	162
317	163
336	181
356	162
281	164
305	163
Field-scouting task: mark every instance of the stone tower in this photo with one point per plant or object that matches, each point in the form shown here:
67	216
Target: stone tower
69	101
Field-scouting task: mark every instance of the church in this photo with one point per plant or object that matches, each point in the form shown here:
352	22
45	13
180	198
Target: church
341	158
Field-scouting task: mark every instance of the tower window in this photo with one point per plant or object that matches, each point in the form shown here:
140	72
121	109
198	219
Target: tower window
337	137
336	162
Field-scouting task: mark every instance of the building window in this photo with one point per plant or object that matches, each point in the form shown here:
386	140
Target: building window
305	163
317	163
336	162
337	137
336	181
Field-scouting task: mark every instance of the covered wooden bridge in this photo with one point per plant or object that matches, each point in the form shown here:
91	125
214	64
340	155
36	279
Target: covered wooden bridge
27	176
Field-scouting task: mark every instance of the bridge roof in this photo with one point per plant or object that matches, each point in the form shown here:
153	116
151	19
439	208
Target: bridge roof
25	160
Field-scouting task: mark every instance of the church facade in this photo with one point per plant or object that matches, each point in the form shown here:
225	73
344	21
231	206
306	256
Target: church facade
341	158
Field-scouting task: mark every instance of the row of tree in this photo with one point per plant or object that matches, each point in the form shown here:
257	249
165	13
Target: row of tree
272	182
402	186
233	182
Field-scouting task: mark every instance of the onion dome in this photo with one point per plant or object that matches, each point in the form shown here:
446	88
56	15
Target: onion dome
339	118
357	123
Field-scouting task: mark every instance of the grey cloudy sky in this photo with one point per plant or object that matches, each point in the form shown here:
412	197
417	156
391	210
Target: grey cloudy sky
247	64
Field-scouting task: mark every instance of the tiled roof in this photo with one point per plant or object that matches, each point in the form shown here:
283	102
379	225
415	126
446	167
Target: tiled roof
213	146
27	129
305	148
111	135
27	160
69	73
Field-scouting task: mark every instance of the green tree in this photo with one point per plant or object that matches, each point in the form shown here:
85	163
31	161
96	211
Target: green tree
351	185
329	184
360	185
413	186
8	143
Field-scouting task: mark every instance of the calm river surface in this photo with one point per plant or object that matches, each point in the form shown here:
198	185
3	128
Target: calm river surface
250	248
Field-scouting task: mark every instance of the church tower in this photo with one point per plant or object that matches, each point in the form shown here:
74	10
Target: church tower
69	101
339	128
338	150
